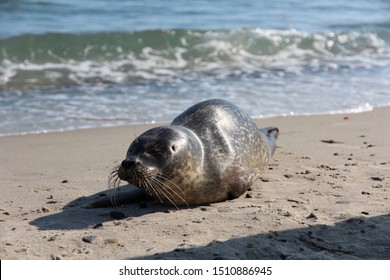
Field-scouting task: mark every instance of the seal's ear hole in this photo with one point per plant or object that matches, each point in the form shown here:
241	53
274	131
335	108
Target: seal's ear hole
173	147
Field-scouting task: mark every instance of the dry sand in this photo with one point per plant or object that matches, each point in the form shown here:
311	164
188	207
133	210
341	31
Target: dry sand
318	200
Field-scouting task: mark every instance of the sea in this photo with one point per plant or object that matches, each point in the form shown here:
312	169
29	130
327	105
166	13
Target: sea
67	64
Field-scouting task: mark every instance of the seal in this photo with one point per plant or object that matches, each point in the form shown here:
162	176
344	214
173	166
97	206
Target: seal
211	152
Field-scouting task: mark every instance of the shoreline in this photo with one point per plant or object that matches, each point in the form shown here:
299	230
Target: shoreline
156	123
328	181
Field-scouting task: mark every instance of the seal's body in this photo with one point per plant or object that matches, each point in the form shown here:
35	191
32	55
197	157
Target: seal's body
211	152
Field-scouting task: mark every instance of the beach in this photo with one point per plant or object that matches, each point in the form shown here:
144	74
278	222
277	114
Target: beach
325	195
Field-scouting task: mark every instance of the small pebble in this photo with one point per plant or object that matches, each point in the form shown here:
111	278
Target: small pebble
285	213
98	225
377	178
52	238
88	239
54	257
52	202
331	141
311	216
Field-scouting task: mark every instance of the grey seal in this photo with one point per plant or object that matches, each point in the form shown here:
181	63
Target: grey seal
211	152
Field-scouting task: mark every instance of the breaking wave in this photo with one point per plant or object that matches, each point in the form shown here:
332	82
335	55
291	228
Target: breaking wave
57	59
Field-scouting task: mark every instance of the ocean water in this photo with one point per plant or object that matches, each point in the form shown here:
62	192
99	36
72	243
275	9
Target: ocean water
75	64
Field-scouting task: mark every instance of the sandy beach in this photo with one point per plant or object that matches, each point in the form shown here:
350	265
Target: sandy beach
325	196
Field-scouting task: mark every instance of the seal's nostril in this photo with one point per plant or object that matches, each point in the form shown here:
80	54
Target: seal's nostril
128	163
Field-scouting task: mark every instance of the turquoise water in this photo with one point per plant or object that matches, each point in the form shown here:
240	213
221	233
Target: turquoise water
74	64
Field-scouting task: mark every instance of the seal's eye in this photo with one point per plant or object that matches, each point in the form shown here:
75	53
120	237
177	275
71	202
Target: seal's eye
173	147
154	152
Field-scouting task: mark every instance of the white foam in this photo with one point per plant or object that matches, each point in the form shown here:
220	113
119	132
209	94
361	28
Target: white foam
216	52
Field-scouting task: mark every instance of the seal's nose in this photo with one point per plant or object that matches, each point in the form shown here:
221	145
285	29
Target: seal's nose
126	167
126	164
129	163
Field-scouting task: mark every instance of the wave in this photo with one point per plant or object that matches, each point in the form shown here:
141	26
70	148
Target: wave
119	57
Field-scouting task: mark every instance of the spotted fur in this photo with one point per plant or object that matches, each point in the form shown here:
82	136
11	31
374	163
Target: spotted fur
211	152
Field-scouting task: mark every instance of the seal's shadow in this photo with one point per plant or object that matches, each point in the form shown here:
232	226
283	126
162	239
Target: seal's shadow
78	215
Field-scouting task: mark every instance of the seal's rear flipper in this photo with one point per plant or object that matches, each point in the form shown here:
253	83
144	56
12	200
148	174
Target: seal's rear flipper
117	198
271	134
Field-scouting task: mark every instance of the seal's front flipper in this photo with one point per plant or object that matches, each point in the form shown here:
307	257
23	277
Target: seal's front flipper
116	198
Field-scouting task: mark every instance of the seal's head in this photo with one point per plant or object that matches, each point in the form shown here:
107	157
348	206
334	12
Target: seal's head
162	160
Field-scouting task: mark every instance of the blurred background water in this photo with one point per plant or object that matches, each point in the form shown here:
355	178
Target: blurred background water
75	64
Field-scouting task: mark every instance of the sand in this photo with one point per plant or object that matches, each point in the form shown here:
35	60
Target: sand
325	196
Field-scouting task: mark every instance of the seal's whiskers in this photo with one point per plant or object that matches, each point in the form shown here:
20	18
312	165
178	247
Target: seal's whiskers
114	197
160	188
113	184
113	178
164	177
166	189
146	183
